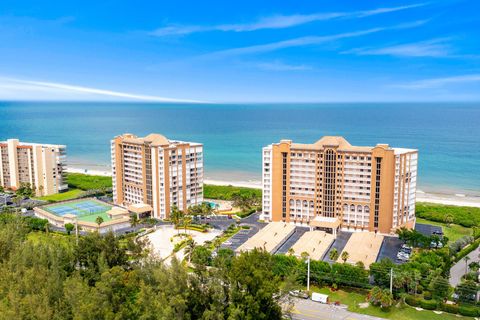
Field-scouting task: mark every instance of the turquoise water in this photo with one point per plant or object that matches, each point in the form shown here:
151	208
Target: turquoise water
447	135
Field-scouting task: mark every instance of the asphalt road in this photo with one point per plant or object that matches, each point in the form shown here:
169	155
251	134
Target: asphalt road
458	269
306	309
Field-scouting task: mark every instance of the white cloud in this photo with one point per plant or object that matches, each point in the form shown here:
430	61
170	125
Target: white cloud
281	66
11	88
439	82
276	22
304	41
430	48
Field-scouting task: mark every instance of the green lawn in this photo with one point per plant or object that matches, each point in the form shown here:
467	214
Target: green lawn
68	195
353	297
453	233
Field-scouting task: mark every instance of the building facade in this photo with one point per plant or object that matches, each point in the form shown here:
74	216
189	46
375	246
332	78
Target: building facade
331	184
42	166
158	172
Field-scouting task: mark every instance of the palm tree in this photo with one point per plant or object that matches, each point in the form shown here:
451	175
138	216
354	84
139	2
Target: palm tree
134	220
176	216
333	255
466	259
187	219
291	252
345	256
190	247
99	220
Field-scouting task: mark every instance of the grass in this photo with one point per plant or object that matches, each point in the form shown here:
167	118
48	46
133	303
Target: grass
68	195
88	182
452	232
353	297
227	192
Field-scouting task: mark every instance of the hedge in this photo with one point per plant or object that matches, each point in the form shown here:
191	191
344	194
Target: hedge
469	311
412	301
428	304
450	308
462	253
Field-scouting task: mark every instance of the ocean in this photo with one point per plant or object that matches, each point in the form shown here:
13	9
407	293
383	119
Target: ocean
447	135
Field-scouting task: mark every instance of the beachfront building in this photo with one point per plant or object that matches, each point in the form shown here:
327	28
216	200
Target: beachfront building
331	184
42	166
153	174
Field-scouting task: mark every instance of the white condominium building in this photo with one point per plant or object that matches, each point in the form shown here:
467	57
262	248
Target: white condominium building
157	172
331	184
42	166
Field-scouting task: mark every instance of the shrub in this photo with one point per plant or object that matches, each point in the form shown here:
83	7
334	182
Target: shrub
464	216
469	311
450	308
427	295
428	304
459	256
412	301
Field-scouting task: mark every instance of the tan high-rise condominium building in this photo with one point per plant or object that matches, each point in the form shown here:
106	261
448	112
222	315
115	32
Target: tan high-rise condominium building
331	184
42	166
157	172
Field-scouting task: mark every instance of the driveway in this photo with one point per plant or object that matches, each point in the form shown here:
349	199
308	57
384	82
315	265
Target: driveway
458	269
306	309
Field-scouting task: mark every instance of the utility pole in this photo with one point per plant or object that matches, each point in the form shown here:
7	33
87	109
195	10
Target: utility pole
308	274
76	230
391	280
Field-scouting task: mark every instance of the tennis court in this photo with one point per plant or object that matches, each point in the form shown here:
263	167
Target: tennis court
85	210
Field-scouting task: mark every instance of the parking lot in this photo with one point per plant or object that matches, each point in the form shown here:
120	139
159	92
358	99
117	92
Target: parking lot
390	248
244	234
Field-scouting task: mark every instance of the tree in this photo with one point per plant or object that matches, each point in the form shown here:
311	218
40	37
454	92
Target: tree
333	255
439	287
99	220
467	291
189	248
176	217
291	251
69	227
448	219
25	190
254	291
201	256
134	220
380	297
2	189
187	219
345	256
466	259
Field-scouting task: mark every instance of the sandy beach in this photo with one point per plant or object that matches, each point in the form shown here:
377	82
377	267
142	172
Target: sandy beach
440	198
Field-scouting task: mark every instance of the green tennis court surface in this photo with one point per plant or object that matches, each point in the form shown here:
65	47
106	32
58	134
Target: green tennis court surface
85	209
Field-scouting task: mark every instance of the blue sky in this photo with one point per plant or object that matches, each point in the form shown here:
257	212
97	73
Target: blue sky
240	51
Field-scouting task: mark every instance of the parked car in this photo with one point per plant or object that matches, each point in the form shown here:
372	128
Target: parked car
299	294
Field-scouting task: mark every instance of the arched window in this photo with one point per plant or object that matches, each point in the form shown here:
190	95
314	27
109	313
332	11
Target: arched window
367	209
311	204
298	203
352	208
345	207
305	203
291	202
359	209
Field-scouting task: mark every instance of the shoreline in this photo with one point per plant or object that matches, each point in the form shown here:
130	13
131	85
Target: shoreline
456	199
